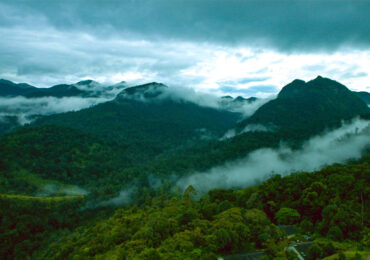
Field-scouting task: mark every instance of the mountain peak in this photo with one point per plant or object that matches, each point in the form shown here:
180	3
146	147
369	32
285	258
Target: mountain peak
298	88
292	89
148	90
312	105
85	82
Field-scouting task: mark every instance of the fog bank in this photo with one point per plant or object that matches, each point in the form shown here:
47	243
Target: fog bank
25	109
337	146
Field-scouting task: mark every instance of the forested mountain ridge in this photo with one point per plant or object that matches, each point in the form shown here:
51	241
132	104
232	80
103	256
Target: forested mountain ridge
130	152
142	92
85	88
308	108
155	126
138	135
8	88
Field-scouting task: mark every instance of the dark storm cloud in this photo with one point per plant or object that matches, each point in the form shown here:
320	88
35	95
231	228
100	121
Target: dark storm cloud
202	44
286	25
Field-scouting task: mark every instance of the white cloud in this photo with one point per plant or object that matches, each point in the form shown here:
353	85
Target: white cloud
42	54
24	108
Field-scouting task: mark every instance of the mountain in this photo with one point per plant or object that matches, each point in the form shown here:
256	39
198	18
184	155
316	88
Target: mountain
148	122
146	91
229	101
157	135
85	88
62	90
147	133
306	108
8	88
63	177
365	96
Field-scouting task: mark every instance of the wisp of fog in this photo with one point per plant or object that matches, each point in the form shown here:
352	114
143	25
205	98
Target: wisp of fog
337	146
186	94
24	108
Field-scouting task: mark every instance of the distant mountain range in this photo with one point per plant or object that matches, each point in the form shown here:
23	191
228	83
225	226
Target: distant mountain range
147	131
86	88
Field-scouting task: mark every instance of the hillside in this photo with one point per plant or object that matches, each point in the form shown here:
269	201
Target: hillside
306	108
8	88
61	154
365	96
149	126
325	205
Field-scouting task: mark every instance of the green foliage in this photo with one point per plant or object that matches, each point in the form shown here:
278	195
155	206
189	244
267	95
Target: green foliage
335	233
287	216
147	128
315	252
221	222
26	221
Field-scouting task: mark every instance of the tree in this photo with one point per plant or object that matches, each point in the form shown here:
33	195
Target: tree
335	233
315	252
287	216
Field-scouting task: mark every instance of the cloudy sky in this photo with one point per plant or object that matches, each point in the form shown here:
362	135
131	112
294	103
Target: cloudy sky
234	47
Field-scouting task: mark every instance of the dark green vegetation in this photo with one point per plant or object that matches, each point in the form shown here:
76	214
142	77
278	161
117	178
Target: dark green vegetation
326	204
8	88
312	106
144	135
147	128
107	147
61	154
27	221
365	96
8	123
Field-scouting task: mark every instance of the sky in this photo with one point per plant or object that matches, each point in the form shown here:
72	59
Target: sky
237	47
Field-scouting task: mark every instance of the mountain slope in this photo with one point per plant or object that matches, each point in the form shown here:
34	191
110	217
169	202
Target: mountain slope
307	108
8	88
365	96
325	204
58	153
137	119
62	90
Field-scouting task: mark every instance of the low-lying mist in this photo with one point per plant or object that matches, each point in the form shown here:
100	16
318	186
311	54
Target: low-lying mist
159	93
249	128
177	93
52	189
26	108
337	146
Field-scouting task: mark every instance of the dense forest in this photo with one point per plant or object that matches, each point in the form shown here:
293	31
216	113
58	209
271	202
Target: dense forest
102	182
330	206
